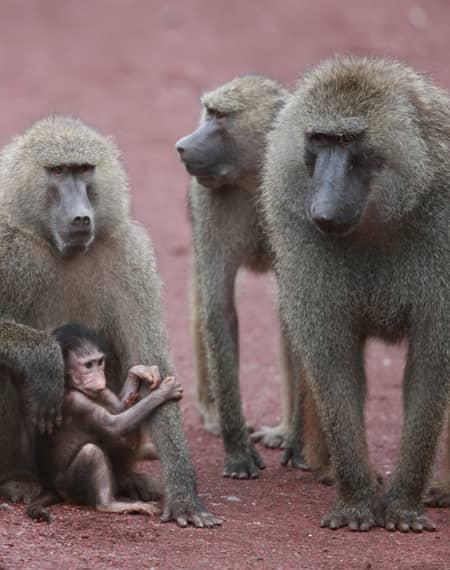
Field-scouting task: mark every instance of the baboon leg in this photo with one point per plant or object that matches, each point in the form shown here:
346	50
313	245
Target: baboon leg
315	447
439	494
221	337
139	486
424	414
306	446
338	385
278	436
206	402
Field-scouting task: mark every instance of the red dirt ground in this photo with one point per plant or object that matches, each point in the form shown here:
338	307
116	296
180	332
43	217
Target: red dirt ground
135	69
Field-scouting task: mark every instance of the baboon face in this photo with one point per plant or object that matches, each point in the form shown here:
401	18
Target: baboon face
209	153
229	143
70	198
340	172
357	131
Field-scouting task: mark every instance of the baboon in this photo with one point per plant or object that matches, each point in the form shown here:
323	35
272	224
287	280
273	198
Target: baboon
90	457
69	251
223	157
355	194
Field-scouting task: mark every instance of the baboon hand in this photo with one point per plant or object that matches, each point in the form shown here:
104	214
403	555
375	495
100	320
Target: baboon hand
243	464
406	517
358	516
43	403
189	512
148	374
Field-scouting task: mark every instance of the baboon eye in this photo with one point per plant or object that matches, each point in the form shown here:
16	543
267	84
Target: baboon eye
83	168
88	365
215	113
101	361
57	170
346	138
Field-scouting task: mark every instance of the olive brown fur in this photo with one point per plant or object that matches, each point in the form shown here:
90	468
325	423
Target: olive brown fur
224	157
356	197
70	252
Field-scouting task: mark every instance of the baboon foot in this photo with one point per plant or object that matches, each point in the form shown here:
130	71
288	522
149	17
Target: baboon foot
191	511
406	518
325	477
140	486
123	507
439	495
272	437
293	454
243	464
358	517
39	513
20	491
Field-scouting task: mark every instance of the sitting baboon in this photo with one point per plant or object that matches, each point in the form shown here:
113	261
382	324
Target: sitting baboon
224	157
69	251
90	457
356	198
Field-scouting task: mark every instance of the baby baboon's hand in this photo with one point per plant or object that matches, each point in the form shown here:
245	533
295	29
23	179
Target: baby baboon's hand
171	389
148	374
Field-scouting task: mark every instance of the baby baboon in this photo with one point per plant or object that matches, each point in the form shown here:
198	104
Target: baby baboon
70	251
223	157
356	197
90	457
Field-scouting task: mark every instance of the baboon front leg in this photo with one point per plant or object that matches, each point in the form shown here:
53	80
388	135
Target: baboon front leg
220	333
206	402
425	393
338	383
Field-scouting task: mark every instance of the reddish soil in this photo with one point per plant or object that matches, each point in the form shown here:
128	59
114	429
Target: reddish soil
135	69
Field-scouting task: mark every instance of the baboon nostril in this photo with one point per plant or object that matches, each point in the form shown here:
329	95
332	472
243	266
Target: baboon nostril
179	148
79	221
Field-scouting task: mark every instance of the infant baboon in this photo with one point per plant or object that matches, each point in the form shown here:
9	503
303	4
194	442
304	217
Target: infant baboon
224	156
89	458
356	197
78	255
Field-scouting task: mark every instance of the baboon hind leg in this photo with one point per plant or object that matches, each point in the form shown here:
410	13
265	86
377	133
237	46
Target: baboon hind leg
278	436
206	401
439	493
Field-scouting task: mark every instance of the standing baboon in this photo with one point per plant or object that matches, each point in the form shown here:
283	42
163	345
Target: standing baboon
224	157
356	196
69	251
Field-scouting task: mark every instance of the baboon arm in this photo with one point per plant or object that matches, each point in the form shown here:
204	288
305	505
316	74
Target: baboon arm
33	360
99	420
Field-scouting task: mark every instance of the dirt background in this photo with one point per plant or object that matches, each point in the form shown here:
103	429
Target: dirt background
135	69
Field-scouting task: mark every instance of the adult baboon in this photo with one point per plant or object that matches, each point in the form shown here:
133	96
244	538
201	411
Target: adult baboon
224	157
69	251
356	196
